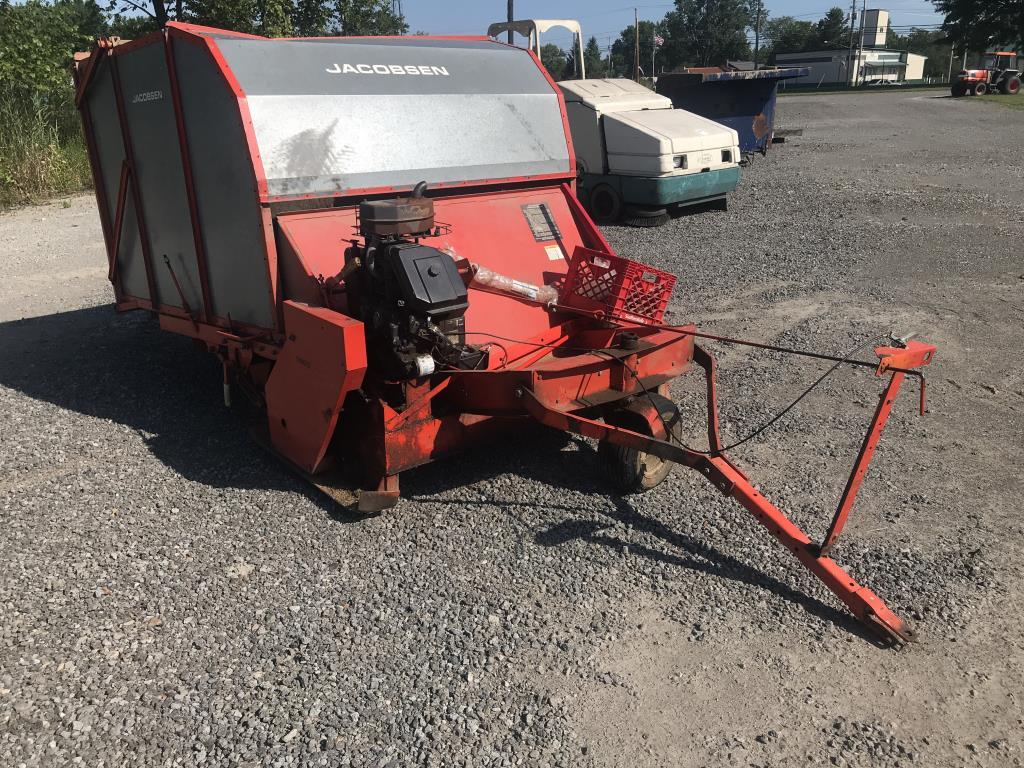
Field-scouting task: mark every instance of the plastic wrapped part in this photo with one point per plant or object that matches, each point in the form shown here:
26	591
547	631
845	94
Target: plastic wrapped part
490	280
424	365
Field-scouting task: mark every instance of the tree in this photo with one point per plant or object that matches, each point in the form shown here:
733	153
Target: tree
554	60
595	64
36	44
311	18
622	48
931	43
975	26
236	15
273	18
368	17
707	32
788	35
832	31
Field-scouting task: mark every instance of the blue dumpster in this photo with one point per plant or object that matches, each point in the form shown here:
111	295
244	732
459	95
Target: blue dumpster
743	100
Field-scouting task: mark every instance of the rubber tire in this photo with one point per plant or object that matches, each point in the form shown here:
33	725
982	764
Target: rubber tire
605	204
959	90
979	89
634	471
1010	86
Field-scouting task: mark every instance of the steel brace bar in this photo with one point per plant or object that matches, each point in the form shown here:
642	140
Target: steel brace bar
724	475
860	467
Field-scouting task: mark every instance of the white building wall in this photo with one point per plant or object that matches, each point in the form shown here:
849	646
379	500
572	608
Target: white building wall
833	67
915	66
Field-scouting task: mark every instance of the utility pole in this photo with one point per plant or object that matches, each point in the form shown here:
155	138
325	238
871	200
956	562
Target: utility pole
757	36
860	46
636	46
949	77
511	18
849	55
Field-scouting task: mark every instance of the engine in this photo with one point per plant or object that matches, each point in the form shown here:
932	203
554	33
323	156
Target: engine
410	296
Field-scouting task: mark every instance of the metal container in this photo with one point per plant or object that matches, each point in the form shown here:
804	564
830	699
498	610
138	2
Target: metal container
743	100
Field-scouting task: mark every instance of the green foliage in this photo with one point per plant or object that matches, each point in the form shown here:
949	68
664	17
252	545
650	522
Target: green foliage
41	148
311	18
784	34
979	26
36	43
926	42
236	15
595	63
554	59
707	32
367	17
832	31
622	48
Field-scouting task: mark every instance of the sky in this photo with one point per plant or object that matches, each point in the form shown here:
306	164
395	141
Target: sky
604	19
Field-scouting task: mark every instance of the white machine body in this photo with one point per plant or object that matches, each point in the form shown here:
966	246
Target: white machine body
620	127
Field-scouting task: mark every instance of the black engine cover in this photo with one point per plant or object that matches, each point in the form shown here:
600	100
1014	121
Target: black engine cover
428	281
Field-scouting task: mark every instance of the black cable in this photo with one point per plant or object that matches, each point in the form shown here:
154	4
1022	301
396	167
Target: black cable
846	358
668	432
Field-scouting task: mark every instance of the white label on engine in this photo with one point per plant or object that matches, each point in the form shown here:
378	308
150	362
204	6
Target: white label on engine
554	253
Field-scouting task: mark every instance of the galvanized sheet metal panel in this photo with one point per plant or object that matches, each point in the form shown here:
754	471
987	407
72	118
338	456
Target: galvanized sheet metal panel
340	114
152	128
225	190
309	146
106	128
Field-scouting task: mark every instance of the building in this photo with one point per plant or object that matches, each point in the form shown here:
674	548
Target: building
876	25
871	62
844	67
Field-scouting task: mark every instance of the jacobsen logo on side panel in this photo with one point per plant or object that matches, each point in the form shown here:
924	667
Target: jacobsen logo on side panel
387	69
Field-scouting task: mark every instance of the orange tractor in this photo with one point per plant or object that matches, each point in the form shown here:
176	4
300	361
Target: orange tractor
1000	73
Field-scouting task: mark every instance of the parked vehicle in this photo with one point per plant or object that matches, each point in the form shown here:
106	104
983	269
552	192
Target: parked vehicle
1000	72
637	157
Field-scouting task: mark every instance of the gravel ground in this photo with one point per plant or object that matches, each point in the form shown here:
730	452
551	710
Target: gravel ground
172	596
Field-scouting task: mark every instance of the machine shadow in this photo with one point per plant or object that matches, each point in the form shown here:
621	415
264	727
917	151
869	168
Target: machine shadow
539	458
123	368
695	556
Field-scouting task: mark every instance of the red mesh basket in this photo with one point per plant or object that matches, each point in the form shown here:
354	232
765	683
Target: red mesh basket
619	288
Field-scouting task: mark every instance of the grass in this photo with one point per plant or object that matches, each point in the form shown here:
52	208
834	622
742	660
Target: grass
42	152
1010	102
871	89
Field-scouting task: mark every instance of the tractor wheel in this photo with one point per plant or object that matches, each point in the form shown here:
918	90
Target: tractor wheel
605	204
1010	86
979	89
958	90
634	471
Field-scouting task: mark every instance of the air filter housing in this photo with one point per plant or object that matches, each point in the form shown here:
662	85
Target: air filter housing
402	216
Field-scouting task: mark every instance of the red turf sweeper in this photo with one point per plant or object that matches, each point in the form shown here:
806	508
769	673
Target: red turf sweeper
379	239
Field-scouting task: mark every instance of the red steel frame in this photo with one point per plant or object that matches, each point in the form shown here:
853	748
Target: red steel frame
731	481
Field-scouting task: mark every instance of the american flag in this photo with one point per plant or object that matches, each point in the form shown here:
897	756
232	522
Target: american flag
658	41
